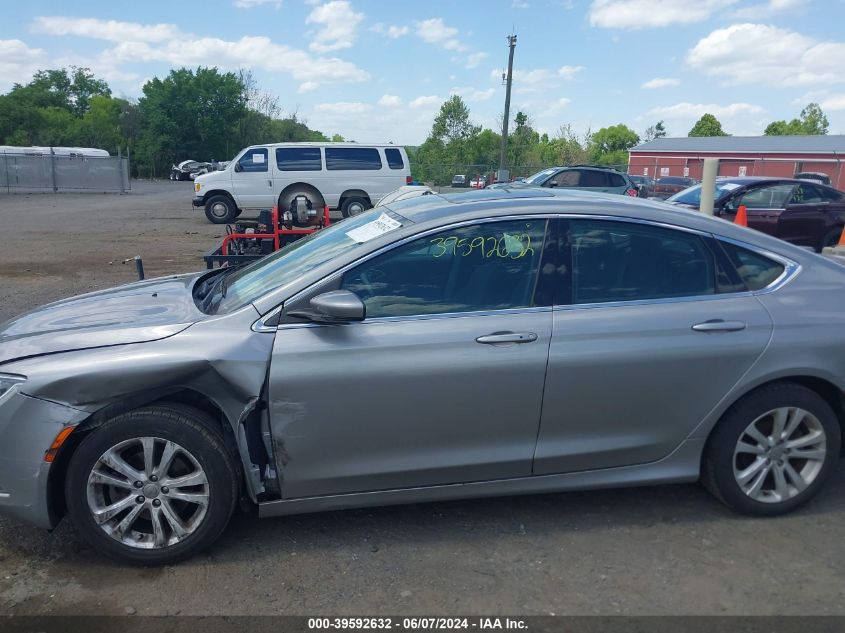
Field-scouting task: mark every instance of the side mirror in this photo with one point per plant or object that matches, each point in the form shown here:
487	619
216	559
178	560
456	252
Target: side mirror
336	306
238	167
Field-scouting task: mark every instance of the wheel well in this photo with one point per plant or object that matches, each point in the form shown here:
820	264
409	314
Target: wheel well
219	192
354	193
188	397
292	190
829	392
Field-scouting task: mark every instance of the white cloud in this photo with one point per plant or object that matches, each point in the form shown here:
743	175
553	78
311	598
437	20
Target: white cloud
519	4
344	107
660	82
434	31
110	30
767	8
836	102
473	94
762	54
474	59
569	72
394	31
425	102
139	43
688	110
18	62
637	14
390	101
251	4
337	22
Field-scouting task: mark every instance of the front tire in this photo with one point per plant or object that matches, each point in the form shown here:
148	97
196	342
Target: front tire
354	206
772	451
220	209
831	238
152	486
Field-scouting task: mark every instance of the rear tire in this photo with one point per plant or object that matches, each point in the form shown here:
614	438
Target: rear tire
831	238
166	527
354	206
220	209
772	450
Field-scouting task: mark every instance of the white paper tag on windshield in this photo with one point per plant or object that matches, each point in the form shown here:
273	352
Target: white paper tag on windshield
728	186
371	230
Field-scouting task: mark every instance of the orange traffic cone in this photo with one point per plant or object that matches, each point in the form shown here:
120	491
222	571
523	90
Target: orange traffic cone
741	216
842	238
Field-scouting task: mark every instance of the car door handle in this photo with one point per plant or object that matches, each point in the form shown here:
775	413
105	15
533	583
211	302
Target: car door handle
507	337
719	325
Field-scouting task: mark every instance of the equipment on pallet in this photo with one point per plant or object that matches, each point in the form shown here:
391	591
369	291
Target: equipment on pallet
247	240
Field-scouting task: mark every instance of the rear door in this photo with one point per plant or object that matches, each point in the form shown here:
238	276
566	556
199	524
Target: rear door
643	344
807	217
252	180
764	205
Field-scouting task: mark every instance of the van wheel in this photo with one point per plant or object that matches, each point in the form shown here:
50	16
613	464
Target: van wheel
152	486
354	206
220	209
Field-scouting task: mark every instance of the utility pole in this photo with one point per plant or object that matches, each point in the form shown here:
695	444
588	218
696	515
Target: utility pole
508	81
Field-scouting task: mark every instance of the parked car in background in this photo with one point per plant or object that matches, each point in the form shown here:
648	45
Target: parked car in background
345	176
459	180
479	182
597	340
644	184
815	176
190	169
798	211
587	177
670	185
404	192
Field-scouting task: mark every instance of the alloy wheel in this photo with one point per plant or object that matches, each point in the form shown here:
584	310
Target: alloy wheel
148	493
780	454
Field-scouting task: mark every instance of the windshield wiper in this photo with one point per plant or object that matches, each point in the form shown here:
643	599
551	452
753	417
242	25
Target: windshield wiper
216	289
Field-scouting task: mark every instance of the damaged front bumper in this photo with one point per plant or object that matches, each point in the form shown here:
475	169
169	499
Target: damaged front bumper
28	426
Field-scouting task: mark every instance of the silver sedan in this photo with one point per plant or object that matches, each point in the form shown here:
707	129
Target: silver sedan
478	344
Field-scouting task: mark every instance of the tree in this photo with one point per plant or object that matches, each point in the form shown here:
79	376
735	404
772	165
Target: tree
655	131
610	145
707	125
452	122
811	121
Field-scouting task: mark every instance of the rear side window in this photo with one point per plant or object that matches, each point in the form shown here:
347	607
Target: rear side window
621	261
616	180
394	158
592	178
299	159
352	158
756	271
254	160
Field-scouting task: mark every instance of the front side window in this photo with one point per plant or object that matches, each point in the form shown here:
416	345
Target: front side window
352	158
568	178
768	197
299	159
254	160
394	158
623	261
490	266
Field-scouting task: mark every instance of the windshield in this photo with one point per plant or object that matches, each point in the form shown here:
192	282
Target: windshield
540	176
692	196
294	260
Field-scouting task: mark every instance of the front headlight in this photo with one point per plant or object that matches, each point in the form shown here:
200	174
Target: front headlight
8	381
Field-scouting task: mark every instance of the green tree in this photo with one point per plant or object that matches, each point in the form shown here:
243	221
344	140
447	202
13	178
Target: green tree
452	122
811	121
610	145
190	115
100	125
707	125
655	131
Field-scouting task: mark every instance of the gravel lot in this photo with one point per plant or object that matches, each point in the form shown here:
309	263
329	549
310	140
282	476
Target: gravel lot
660	550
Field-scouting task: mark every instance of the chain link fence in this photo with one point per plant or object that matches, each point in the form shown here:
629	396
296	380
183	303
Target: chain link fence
52	172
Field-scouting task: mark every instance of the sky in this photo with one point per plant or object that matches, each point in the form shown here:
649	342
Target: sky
378	70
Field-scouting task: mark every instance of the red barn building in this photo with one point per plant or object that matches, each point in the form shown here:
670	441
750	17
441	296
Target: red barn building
782	156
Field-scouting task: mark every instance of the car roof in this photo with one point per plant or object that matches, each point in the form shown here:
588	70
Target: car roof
326	144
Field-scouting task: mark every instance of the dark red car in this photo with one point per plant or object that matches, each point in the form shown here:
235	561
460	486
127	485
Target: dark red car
670	185
798	211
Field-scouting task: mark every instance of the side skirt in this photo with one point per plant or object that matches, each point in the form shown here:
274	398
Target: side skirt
682	465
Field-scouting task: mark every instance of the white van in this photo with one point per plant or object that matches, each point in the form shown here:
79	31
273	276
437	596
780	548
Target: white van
345	176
